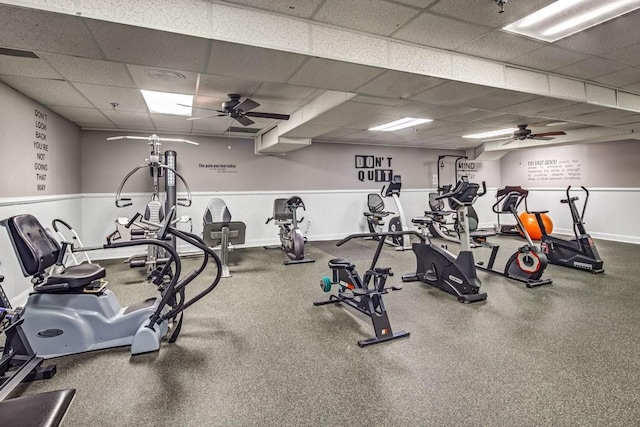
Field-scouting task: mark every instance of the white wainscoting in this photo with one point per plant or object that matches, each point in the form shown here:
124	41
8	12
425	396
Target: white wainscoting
46	209
612	213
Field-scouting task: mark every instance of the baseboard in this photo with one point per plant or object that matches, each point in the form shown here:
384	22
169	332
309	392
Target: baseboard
20	300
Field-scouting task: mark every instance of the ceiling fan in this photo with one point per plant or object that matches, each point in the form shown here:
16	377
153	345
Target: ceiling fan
523	133
240	110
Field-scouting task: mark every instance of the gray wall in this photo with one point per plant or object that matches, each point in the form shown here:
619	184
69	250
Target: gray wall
609	164
59	149
322	166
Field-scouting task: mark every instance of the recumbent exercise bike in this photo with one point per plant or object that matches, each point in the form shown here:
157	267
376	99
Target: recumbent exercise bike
292	240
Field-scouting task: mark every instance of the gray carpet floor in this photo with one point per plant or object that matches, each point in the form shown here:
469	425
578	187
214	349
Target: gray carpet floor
257	352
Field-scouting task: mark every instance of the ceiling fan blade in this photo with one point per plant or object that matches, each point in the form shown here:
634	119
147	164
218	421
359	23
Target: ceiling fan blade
541	138
268	115
246	121
246	105
199	108
549	134
205	117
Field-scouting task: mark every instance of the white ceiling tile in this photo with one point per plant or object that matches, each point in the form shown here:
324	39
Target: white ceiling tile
216	124
334	75
373	120
499	46
282	93
590	68
502	121
219	87
538	105
184	16
347	113
629	55
128	100
377	100
47	92
498	99
166	122
417	3
620	78
230	59
452	93
337	134
474	70
438	113
486	12
27	67
371	16
629	101
419	60
573	111
82	115
299	8
276	108
396	84
601	95
633	88
145	78
36	30
86	70
143	46
548	58
130	120
436	31
614	34
472	116
308	130
526	81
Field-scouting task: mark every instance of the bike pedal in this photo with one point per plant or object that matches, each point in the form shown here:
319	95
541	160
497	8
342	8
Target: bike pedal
396	287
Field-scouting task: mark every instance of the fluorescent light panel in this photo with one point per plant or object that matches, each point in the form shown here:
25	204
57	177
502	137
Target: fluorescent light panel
490	134
400	124
566	17
168	103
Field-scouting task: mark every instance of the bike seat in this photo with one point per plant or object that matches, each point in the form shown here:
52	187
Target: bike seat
75	276
421	220
341	264
380	214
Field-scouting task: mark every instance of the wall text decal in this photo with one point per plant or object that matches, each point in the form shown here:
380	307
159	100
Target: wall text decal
41	147
373	168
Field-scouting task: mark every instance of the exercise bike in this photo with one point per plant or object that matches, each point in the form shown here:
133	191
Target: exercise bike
437	266
364	293
579	252
292	239
528	263
71	310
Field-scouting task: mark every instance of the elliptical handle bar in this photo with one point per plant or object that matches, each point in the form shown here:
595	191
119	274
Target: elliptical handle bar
385	235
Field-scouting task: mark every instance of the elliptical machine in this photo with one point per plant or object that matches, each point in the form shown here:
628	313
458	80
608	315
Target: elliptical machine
292	239
440	268
528	263
579	252
71	310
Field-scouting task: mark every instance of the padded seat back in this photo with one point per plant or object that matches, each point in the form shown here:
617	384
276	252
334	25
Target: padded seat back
216	211
35	248
375	203
154	211
281	211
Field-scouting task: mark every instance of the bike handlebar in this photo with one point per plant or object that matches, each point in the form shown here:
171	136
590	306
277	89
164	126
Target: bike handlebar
385	235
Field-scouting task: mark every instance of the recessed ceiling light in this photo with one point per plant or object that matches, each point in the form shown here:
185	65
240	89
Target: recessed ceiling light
168	103
166	75
566	17
400	124
490	134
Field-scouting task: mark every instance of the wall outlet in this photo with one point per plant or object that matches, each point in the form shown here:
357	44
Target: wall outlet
434	179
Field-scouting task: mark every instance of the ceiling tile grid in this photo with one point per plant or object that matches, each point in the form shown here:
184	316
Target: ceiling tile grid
47	92
436	31
299	8
27	67
87	70
327	74
548	58
499	46
371	16
128	100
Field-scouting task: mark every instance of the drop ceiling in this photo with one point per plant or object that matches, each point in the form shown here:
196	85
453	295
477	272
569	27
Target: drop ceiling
84	66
